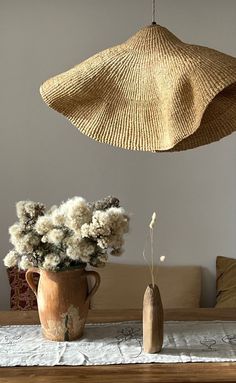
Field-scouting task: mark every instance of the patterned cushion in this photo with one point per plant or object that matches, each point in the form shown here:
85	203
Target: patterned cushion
22	297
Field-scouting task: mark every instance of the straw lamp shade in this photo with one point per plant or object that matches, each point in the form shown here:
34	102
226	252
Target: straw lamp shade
152	93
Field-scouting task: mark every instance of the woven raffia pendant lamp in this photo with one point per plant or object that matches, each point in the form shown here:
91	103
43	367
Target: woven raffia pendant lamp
152	93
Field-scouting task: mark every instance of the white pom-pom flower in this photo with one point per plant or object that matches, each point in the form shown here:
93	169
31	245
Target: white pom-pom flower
11	259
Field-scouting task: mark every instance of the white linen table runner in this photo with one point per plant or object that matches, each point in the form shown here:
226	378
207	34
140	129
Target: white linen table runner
120	343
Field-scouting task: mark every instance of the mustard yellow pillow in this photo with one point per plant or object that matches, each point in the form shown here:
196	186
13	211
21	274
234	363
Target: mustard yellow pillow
225	282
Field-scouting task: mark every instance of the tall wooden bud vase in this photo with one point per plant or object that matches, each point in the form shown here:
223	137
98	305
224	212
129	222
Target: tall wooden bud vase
153	319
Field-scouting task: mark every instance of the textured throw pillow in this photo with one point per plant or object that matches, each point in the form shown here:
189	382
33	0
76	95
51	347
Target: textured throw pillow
123	286
22	297
225	282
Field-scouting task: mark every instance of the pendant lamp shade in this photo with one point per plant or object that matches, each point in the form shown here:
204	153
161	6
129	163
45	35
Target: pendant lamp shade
152	93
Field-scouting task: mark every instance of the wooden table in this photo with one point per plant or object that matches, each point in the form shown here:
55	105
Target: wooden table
145	373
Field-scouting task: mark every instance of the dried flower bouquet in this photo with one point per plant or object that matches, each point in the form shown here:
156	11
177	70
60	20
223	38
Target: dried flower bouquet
74	234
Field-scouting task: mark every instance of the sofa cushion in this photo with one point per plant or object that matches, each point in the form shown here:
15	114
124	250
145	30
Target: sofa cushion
22	297
225	282
123	286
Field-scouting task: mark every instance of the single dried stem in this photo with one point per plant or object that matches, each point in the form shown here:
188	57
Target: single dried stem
146	260
152	258
150	263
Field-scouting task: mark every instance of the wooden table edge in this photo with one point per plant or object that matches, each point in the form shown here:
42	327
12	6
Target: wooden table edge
130	373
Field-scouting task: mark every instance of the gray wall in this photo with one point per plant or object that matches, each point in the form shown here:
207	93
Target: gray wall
43	158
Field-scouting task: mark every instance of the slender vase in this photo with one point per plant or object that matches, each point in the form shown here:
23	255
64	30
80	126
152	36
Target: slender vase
152	320
63	301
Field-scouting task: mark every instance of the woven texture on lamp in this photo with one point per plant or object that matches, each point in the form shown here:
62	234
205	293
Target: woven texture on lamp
152	93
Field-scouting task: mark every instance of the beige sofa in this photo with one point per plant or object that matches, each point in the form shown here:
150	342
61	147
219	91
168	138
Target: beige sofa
122	286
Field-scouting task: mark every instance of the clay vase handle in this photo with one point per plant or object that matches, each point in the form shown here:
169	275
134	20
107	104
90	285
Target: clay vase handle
97	283
30	280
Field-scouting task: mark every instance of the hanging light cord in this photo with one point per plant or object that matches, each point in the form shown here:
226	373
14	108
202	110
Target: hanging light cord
153	12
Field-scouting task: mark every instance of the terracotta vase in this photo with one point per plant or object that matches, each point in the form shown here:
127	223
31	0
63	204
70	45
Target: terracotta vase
63	301
153	320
